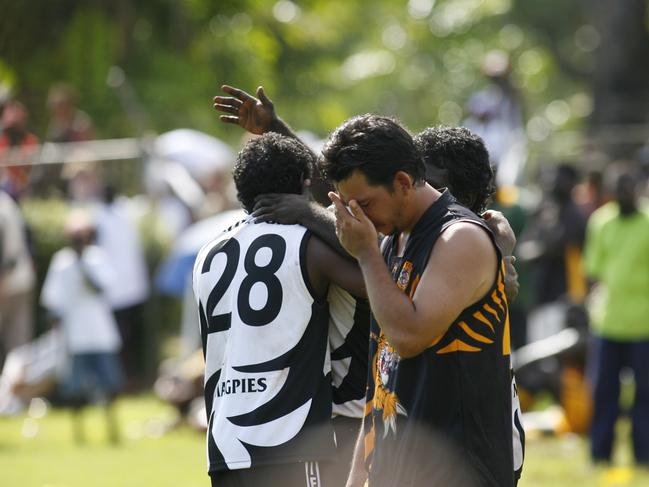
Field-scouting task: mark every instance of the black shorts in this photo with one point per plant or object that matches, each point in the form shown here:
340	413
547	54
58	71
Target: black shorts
309	474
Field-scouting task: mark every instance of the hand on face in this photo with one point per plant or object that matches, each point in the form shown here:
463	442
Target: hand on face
355	231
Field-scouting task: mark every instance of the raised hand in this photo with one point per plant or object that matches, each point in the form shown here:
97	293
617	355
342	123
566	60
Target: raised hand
256	115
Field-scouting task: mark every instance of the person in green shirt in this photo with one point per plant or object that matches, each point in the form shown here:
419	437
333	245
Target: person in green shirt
617	259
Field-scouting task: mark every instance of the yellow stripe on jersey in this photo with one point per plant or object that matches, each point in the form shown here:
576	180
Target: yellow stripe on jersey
497	300
489	309
506	340
457	346
473	334
480	317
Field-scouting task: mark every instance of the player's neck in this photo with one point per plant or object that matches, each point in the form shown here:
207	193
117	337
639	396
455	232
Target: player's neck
423	197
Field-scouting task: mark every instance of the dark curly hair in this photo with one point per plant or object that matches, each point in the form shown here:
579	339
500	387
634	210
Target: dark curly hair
457	158
271	163
377	146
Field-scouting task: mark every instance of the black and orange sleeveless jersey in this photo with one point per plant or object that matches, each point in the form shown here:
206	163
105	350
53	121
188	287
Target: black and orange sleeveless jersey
455	395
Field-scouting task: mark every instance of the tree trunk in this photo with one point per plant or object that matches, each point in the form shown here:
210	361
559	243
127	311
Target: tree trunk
620	120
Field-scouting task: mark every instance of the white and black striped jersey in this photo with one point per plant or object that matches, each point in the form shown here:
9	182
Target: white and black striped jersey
349	331
267	366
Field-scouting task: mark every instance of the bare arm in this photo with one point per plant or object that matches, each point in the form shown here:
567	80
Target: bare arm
506	241
460	270
326	266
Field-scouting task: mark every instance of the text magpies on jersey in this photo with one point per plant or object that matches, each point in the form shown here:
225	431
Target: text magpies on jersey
236	386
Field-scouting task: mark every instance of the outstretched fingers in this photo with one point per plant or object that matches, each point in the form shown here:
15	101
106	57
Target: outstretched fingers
237	93
226	108
227	100
229	119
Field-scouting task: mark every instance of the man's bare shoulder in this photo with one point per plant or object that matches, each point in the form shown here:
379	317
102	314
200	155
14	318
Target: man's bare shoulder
465	251
466	236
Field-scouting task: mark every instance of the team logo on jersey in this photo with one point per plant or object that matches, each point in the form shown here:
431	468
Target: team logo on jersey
404	276
385	366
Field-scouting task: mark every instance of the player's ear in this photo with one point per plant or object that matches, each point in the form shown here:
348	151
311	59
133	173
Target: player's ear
306	184
403	182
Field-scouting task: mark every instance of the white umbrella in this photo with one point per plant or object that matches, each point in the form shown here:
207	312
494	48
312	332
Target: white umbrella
199	153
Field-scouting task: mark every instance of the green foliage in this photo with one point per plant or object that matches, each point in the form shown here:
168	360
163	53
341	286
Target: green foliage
320	61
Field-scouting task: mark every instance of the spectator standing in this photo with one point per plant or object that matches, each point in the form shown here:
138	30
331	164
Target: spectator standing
119	239
552	245
17	146
67	122
496	115
16	278
617	258
74	293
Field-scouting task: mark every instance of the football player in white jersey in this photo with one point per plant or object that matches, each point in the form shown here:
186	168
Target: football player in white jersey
261	291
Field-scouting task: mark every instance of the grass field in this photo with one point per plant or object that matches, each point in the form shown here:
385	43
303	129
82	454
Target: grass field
39	451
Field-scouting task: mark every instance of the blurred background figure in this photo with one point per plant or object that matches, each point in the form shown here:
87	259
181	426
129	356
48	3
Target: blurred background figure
75	291
496	115
589	194
554	356
17	278
552	246
67	122
17	148
82	180
119	239
617	259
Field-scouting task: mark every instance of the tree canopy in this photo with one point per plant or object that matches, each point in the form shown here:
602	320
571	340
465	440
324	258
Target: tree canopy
320	60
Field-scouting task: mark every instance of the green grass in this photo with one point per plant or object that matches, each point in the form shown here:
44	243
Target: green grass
40	452
564	462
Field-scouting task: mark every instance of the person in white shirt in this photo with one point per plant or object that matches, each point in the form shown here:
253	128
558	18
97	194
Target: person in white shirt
74	293
117	236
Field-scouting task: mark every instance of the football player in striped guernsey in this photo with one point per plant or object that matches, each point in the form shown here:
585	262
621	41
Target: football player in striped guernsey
439	333
261	290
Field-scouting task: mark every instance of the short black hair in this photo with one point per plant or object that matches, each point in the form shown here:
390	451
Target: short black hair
377	146
463	156
271	163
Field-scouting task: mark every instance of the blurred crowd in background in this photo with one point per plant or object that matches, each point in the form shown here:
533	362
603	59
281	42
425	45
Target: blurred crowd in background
98	239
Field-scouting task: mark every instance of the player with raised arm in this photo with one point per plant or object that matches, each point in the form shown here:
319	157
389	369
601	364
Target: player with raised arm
261	291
